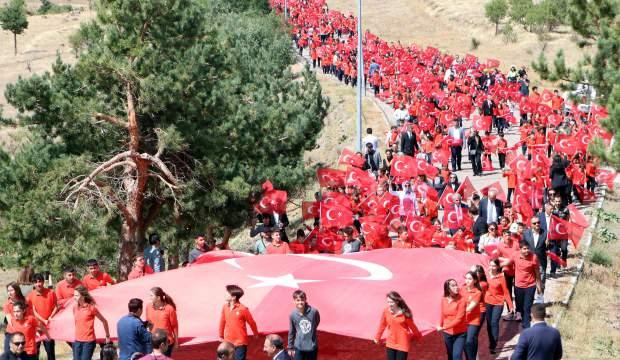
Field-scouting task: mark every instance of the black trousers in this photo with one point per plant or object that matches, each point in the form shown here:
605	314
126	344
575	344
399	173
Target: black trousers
393	354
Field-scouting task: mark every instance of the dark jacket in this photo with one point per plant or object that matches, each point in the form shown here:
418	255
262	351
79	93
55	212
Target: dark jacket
302	333
10	356
283	356
541	249
484	203
133	337
479	228
478	147
540	342
557	174
408	143
487	109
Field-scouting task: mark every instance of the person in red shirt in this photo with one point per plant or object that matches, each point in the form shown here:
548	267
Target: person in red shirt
95	277
472	295
44	306
403	241
494	299
502	146
527	280
84	312
277	246
65	287
396	317
28	325
140	268
452	323
15	295
233	322
162	314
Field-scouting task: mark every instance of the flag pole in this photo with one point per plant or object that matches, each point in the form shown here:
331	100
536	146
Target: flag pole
285	10
360	76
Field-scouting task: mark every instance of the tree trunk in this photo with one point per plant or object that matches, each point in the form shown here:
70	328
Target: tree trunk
496	28
15	43
127	246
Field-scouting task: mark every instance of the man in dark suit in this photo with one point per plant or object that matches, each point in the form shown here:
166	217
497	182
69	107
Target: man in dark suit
479	227
488	109
540	341
274	347
537	240
491	208
408	142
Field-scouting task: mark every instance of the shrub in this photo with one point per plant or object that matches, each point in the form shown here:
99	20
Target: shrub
600	257
474	43
508	34
47	7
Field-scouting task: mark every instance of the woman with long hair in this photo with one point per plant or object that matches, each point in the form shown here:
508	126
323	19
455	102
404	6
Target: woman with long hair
452	324
484	286
472	294
401	328
14	295
494	299
84	312
162	313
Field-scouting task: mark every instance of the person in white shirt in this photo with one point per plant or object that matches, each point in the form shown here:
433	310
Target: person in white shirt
370	138
407	198
490	238
400	114
274	348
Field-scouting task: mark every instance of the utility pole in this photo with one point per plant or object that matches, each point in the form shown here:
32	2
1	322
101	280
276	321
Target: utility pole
360	75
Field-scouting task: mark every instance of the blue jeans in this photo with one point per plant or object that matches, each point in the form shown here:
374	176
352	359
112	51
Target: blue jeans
471	342
454	345
524	298
83	350
240	352
50	348
494	314
455	155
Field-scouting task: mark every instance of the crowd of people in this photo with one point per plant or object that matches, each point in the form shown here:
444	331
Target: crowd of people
405	195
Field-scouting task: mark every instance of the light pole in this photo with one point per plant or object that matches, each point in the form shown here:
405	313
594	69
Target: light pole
360	75
285	10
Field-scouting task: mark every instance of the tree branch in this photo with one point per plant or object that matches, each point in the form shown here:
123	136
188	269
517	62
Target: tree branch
161	166
110	164
110	119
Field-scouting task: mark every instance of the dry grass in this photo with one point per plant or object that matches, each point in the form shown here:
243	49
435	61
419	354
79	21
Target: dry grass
590	327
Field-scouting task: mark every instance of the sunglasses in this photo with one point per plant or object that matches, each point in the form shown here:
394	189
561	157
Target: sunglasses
535	223
19	343
492	228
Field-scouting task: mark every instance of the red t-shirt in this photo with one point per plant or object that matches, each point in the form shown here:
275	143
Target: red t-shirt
453	315
102	279
165	318
472	317
497	292
64	290
233	324
44	303
281	249
28	326
136	273
400	330
525	269
84	316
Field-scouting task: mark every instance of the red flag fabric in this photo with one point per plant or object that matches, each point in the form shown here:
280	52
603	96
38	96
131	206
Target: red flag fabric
310	209
481	123
403	166
357	177
267	186
420	230
493	63
448	197
466	189
349	157
272	201
525	209
577	217
556	259
501	195
423	167
605	176
330	177
335	198
336	216
558	229
568	146
328	241
522	167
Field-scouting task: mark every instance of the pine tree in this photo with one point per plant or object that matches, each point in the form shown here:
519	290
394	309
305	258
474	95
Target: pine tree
183	108
598	25
13	18
496	11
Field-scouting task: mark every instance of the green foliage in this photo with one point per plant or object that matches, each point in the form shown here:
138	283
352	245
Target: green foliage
47	7
509	36
519	10
496	11
214	96
475	43
13	18
606	235
599	257
598	24
607	216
